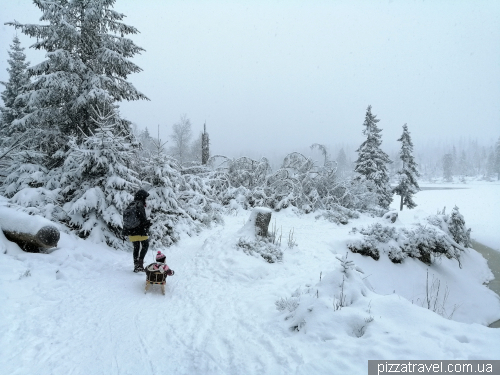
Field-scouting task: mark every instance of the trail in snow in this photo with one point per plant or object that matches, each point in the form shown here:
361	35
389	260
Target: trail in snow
81	310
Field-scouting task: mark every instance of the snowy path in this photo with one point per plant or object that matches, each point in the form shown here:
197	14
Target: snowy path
106	324
81	310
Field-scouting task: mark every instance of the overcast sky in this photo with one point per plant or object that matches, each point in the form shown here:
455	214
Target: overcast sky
275	76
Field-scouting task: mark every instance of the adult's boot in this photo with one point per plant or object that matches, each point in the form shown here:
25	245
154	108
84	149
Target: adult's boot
136	265
140	265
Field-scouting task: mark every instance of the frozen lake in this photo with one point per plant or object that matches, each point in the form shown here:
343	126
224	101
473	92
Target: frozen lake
479	203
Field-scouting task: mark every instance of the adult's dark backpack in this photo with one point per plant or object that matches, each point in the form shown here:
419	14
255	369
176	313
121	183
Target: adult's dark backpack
130	218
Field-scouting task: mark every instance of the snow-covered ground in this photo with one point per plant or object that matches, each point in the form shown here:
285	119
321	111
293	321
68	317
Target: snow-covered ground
81	309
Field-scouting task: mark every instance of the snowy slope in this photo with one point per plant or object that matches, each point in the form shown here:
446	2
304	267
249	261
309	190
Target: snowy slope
81	309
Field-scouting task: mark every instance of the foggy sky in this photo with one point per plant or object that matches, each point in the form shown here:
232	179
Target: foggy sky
274	76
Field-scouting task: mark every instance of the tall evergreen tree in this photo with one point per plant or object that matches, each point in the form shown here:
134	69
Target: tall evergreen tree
342	164
87	65
97	182
448	167
18	79
407	175
371	162
162	174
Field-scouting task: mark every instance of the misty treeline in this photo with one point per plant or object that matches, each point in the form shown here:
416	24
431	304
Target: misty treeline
68	155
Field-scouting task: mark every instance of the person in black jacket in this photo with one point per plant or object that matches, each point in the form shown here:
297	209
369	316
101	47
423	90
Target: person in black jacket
139	236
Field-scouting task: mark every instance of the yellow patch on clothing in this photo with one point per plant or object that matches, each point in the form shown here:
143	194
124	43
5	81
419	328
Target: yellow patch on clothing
137	238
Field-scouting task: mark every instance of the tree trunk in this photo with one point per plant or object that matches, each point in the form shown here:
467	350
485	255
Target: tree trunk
262	223
205	151
401	204
45	238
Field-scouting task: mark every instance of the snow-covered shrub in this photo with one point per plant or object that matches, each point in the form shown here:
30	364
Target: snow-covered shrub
424	242
338	214
268	250
396	254
339	299
379	233
364	248
289	304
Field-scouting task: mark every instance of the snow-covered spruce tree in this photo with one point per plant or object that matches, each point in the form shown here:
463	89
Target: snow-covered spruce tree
371	162
18	78
448	167
161	173
407	175
456	226
343	168
87	65
96	180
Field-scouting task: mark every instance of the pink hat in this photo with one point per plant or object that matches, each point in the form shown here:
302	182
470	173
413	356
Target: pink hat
160	257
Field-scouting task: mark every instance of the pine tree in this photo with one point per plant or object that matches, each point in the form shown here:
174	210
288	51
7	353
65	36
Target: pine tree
408	173
456	226
371	162
491	166
97	182
18	79
88	64
147	143
162	174
448	167
342	164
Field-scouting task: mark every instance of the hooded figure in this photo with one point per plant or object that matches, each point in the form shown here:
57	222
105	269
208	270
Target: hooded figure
139	235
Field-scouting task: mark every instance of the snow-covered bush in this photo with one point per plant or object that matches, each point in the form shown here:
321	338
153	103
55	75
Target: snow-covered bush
255	238
339	299
299	182
424	242
264	247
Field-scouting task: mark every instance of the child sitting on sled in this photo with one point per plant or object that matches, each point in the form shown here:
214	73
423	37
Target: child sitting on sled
160	265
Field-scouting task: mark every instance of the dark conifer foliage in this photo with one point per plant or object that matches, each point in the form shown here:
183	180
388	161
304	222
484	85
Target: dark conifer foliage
18	78
407	175
372	161
87	64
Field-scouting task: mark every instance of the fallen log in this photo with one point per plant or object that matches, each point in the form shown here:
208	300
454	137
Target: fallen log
32	233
